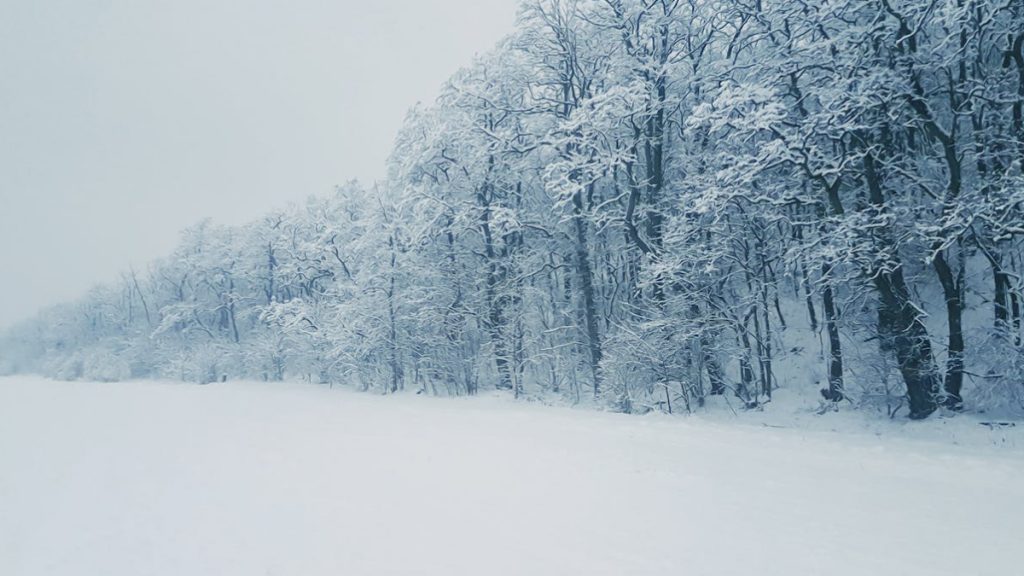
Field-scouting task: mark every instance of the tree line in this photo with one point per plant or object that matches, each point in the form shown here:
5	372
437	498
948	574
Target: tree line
643	203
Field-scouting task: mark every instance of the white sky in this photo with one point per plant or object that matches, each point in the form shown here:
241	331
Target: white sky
123	121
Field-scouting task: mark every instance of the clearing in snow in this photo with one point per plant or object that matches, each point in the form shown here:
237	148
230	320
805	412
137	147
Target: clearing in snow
171	479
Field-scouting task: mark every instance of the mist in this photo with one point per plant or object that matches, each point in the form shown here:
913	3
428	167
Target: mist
122	122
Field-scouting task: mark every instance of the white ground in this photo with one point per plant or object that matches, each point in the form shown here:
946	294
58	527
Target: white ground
257	479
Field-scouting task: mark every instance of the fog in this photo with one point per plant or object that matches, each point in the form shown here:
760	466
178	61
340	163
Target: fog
122	122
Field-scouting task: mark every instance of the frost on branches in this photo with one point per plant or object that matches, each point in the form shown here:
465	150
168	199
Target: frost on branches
647	204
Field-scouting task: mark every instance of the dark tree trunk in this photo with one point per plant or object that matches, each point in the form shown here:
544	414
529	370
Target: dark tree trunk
909	341
835	391
494	322
586	281
899	322
1002	308
714	369
707	348
767	374
950	288
396	366
954	311
836	387
746	368
811	314
1015	316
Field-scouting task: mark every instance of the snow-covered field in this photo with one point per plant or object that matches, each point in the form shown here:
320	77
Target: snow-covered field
257	479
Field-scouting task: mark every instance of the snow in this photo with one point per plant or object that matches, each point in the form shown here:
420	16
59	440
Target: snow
149	478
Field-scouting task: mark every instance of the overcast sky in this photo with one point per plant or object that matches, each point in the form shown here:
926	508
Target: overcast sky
124	121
